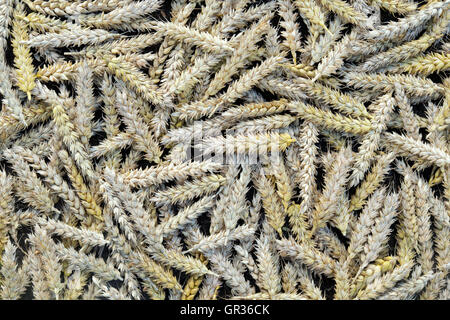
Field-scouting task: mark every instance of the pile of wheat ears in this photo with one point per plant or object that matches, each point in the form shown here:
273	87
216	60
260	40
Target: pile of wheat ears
114	112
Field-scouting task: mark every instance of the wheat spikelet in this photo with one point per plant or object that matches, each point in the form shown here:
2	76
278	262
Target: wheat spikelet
418	150
413	86
331	120
371	141
396	29
122	15
23	60
345	11
83	192
70	37
395	6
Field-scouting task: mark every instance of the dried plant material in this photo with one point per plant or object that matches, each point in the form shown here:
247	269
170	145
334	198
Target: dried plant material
291	28
122	15
335	181
423	153
412	21
345	11
284	149
424	64
331	120
268	266
63	8
413	86
371	141
333	60
190	190
14	281
76	37
315	15
22	54
371	182
395	6
310	256
409	49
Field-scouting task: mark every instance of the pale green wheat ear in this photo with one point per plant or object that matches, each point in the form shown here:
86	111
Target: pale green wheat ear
221	149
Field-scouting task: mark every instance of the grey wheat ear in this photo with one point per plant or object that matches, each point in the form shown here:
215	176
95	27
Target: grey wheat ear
223	149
